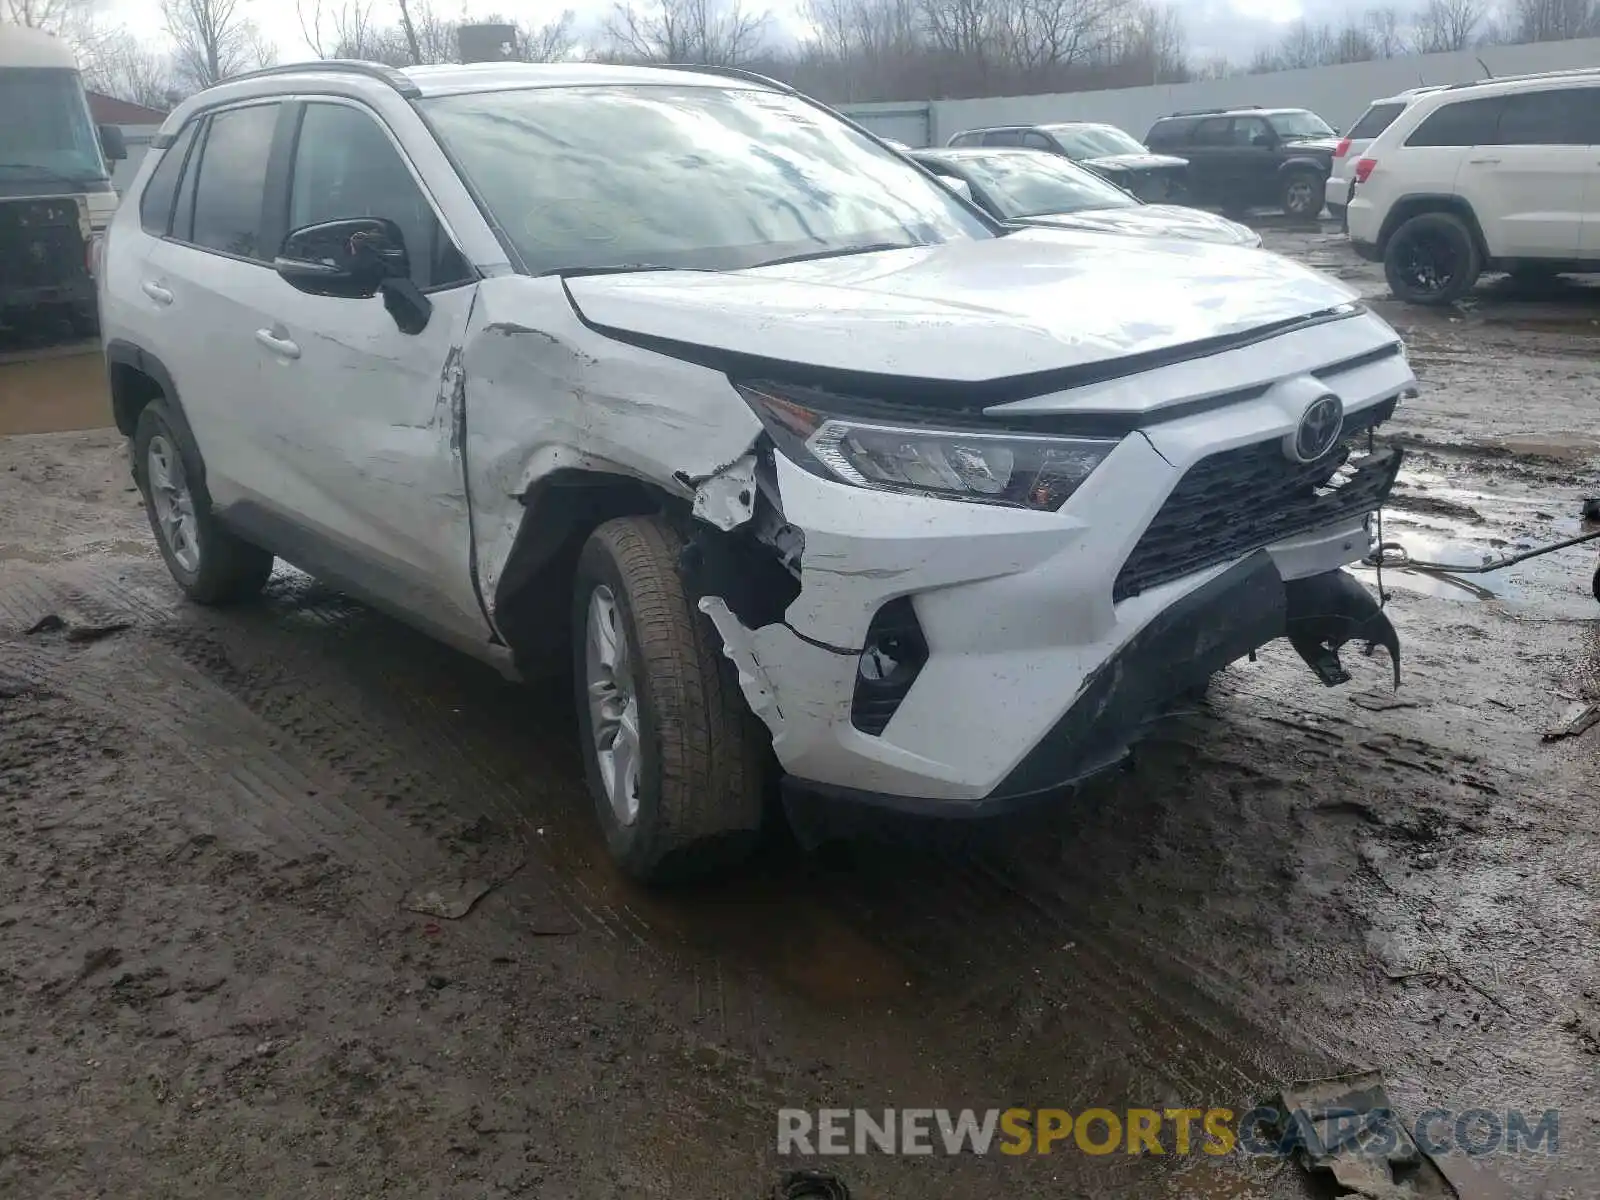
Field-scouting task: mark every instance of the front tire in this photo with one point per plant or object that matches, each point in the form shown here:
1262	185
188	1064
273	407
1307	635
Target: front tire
1302	195
211	564
670	751
1432	259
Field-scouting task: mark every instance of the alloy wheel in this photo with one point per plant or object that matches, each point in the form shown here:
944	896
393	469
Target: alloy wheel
613	704
173	502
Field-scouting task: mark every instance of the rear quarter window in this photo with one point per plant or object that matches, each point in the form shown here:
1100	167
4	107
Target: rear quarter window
1464	123
969	138
1375	120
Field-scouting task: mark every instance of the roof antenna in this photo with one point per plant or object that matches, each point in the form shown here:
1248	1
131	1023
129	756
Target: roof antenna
1487	74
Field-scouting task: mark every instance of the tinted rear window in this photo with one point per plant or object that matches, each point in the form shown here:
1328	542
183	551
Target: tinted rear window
1554	117
967	139
1464	123
1375	120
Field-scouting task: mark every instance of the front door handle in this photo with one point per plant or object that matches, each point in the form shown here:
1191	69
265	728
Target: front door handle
157	293
278	345
1484	161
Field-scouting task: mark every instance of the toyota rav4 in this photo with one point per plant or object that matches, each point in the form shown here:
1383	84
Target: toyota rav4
790	452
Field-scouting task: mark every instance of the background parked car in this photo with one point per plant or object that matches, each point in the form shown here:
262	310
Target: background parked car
1379	116
1104	149
1024	187
1248	157
1500	175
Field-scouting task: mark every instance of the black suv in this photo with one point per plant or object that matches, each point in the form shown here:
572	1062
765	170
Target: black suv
1248	157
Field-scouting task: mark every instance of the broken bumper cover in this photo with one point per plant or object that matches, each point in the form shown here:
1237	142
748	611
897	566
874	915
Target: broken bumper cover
1218	623
1034	678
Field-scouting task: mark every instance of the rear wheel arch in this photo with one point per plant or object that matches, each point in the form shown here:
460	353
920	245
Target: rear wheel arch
137	377
1403	209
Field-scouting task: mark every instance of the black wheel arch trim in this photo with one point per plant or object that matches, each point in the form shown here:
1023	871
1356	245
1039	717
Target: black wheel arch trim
1415	204
1302	163
121	353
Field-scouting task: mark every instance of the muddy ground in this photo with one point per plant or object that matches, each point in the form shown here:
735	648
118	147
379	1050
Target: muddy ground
209	823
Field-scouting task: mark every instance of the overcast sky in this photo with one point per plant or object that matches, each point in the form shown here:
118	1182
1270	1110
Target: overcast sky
1234	27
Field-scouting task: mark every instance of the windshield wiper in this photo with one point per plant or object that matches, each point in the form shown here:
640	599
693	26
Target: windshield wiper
839	252
48	172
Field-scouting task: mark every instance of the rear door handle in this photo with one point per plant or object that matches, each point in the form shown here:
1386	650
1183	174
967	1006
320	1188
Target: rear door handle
157	293
1483	161
278	345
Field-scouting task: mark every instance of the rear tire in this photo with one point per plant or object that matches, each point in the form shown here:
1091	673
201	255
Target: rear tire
1432	259
695	800
210	563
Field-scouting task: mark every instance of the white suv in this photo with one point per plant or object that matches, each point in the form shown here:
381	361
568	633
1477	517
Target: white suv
1502	175
785	450
1379	116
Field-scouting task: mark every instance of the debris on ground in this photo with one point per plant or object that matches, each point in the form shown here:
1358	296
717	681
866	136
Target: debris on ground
449	898
78	634
1380	701
1578	719
1345	1127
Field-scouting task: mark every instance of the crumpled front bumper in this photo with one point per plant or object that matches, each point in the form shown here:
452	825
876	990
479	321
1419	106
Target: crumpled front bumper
1034	677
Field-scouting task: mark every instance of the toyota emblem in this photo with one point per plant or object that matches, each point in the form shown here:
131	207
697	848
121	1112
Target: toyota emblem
1319	429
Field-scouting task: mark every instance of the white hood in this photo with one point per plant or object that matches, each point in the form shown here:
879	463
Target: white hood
969	310
1156	220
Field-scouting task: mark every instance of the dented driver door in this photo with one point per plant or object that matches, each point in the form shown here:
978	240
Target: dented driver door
366	420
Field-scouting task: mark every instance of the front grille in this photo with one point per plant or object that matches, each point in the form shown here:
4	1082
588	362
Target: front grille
41	245
1231	504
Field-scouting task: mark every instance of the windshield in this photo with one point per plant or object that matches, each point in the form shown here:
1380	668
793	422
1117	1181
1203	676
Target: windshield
1292	125
693	177
1095	142
1026	184
44	124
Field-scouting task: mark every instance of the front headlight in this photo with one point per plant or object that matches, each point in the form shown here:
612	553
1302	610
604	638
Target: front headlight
1024	470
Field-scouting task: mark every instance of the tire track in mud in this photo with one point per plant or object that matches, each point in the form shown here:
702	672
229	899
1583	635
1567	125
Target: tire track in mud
416	735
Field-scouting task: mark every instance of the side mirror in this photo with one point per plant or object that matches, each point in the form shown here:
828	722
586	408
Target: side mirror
112	144
349	259
356	259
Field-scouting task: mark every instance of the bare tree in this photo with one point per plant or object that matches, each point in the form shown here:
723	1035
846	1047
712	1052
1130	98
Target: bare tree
1305	45
119	65
691	31
1387	29
410	29
63	17
553	41
1553	20
1353	43
213	40
1444	25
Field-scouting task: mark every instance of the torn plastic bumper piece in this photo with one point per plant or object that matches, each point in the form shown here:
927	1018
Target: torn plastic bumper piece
1218	623
1326	611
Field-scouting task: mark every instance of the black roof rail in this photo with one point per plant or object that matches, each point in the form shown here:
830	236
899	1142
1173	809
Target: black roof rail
396	79
731	73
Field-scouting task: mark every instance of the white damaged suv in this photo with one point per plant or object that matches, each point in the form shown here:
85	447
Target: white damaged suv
790	452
